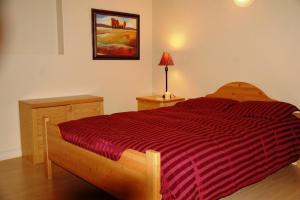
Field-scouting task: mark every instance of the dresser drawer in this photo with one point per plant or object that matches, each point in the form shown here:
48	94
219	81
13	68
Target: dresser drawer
86	110
56	115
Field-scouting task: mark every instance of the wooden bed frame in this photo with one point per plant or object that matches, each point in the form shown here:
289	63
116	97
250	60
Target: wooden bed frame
135	175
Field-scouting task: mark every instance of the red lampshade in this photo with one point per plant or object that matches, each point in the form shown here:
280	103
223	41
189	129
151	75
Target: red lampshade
166	59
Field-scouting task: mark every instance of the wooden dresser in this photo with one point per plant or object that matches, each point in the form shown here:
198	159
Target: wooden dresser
152	102
60	109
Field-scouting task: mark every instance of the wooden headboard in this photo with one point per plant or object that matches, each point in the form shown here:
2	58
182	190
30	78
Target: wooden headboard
241	91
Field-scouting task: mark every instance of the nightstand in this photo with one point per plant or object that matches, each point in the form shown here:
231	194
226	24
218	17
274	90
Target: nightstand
153	102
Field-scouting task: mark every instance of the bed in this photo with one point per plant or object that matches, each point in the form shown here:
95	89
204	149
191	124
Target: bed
142	174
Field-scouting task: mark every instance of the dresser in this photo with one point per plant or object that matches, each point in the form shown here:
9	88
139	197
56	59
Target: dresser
60	109
153	102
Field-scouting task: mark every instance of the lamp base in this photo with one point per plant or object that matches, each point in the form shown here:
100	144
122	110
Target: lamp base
167	95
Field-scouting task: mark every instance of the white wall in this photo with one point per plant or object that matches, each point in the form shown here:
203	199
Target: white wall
224	43
30	66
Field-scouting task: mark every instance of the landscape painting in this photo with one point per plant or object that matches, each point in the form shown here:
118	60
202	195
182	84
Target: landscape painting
115	35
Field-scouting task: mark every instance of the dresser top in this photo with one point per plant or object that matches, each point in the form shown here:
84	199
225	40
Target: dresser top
157	98
60	101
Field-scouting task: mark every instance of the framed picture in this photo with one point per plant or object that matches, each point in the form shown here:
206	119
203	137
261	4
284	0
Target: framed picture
116	35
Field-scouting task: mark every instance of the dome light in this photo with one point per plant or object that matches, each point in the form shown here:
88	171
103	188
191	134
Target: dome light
243	3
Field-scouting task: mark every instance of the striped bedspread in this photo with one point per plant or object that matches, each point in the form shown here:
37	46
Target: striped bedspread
204	155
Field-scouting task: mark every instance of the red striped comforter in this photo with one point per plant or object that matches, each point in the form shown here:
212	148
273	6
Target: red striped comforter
204	155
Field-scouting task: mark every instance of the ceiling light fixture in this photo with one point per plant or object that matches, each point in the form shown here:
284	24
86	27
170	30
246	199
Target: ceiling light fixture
243	3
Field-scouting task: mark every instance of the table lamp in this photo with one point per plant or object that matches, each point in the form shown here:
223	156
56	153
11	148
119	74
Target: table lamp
166	60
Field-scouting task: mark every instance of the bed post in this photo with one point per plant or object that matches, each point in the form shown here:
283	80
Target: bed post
153	175
297	114
48	162
298	163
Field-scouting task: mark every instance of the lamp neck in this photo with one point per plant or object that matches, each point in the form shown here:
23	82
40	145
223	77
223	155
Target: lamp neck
166	69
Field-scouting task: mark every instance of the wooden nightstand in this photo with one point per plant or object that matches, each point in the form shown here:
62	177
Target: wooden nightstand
152	102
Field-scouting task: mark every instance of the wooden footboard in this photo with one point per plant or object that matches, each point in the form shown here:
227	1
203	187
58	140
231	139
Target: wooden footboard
134	176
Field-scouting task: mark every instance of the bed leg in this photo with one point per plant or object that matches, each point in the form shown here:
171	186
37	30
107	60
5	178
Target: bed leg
49	169
47	160
153	175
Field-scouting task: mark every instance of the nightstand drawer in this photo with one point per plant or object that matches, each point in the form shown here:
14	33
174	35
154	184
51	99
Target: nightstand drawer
153	102
142	105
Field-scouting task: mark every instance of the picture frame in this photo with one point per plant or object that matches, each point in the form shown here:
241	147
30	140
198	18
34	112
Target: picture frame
116	35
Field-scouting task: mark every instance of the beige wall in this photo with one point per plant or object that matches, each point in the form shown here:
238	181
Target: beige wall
213	42
30	66
224	43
